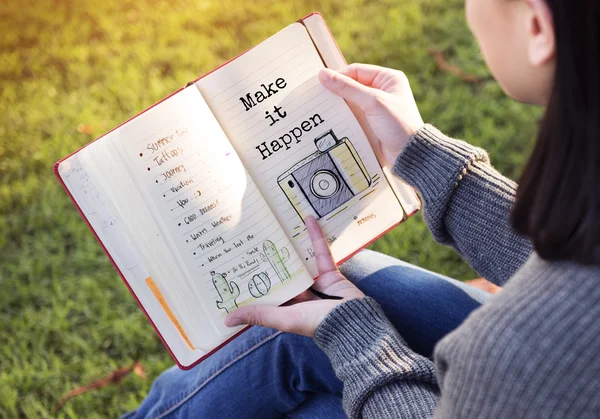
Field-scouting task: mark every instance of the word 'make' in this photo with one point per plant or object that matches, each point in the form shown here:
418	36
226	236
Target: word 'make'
265	92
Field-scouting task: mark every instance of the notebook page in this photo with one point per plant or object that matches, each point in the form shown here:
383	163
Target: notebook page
124	200
91	200
333	58
301	144
211	217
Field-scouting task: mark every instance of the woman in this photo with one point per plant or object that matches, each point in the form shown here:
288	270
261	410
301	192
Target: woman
531	351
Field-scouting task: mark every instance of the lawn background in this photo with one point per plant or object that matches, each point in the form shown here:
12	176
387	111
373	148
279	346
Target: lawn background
71	70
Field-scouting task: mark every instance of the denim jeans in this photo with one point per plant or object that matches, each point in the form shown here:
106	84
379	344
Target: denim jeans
265	373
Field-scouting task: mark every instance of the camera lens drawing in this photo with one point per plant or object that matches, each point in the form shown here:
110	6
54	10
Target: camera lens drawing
324	184
325	180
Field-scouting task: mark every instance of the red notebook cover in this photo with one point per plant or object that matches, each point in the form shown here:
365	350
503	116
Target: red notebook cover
61	180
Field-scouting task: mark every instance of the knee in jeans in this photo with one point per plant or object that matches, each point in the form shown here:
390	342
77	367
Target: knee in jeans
364	263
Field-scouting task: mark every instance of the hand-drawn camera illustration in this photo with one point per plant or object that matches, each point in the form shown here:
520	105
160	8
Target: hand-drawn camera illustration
325	180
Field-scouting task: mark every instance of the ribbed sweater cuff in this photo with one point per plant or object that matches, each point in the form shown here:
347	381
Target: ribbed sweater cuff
434	164
351	328
367	353
357	334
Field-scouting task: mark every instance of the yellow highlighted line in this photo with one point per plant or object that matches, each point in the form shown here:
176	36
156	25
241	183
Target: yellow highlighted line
364	196
338	213
165	306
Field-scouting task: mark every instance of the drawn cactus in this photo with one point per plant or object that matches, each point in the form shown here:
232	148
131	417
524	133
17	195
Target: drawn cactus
259	285
276	259
228	291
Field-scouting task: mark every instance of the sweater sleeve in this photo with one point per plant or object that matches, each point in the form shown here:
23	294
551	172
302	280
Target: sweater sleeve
382	376
467	202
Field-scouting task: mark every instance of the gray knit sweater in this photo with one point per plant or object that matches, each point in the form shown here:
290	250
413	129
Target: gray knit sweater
533	350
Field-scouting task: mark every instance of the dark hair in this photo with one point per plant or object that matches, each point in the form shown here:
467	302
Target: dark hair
558	198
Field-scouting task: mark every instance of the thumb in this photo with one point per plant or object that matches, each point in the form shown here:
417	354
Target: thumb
347	88
302	318
267	316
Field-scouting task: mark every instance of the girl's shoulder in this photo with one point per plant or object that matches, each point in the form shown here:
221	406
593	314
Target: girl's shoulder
539	333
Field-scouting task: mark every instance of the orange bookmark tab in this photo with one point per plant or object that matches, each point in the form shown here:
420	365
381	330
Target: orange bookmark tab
165	307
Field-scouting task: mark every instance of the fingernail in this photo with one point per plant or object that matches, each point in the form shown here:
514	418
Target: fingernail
326	76
232	321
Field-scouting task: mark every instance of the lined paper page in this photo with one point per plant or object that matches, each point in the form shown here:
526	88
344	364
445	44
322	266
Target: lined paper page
210	214
301	144
91	199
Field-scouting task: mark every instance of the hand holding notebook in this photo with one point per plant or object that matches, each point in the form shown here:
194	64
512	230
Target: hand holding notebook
303	314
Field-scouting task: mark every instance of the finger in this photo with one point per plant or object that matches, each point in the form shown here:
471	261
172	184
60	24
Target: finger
325	261
257	315
365	74
349	89
286	319
374	76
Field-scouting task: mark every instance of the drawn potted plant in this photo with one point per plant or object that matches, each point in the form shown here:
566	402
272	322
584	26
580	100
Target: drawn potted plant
228	292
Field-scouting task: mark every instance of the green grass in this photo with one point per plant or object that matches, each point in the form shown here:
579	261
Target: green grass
65	316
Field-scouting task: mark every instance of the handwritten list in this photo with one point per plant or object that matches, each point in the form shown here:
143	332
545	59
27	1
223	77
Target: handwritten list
213	216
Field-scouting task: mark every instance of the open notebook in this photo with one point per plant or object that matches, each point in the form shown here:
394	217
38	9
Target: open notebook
200	200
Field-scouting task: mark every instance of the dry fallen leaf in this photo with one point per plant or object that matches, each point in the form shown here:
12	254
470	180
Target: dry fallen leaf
85	129
112	378
444	65
138	369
